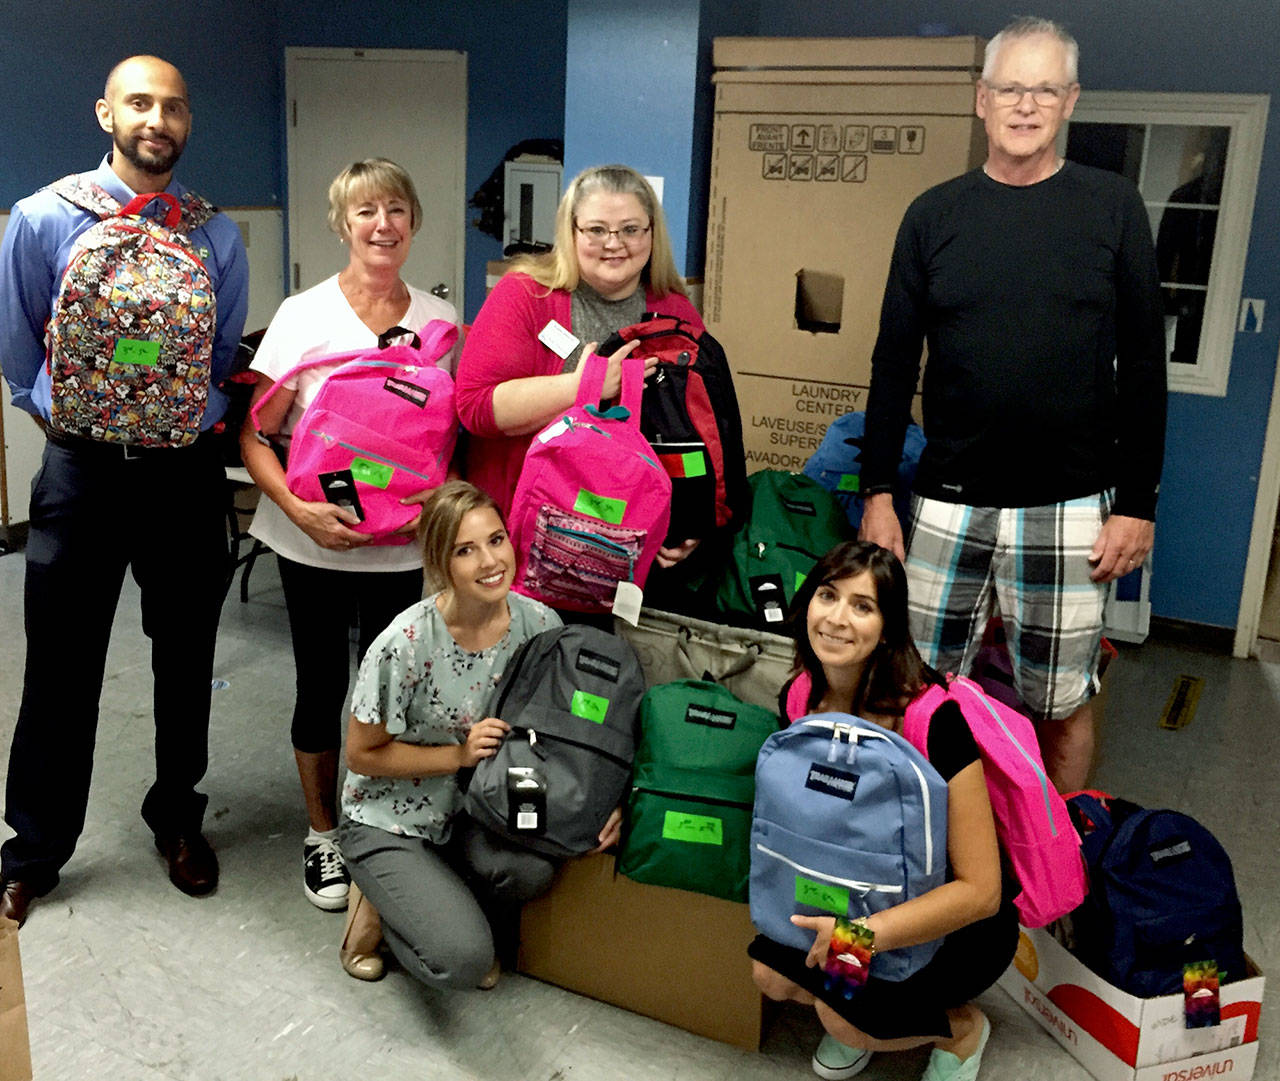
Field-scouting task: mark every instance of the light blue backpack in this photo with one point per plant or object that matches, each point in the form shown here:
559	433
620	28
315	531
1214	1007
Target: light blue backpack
849	819
837	465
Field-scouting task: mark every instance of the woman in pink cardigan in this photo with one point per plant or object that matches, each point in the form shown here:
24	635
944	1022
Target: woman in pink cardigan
611	264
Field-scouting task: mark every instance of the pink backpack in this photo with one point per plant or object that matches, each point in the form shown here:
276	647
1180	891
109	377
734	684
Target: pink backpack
382	426
592	505
1032	823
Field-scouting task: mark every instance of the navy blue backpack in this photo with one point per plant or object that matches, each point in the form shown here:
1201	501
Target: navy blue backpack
849	819
837	465
1161	894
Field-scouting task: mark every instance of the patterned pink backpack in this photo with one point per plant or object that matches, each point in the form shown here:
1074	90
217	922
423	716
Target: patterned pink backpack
592	505
130	337
1032	823
382	426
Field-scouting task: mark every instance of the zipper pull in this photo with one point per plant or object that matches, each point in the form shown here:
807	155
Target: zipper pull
834	746
760	547
853	748
533	745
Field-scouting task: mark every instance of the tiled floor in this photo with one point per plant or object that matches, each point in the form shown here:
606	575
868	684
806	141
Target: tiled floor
126	978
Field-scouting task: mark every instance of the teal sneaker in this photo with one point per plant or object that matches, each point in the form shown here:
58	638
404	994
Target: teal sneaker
944	1066
836	1061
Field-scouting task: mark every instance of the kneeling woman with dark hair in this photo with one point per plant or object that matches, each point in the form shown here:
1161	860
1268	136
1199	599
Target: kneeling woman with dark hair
854	654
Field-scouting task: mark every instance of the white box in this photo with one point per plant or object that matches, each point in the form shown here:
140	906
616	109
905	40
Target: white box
1120	1037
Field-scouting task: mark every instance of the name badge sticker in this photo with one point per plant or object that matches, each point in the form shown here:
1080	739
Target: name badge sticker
560	341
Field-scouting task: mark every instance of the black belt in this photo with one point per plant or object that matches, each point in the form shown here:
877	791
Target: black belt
127	452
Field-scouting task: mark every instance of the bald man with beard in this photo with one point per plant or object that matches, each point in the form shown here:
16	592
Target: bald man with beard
104	504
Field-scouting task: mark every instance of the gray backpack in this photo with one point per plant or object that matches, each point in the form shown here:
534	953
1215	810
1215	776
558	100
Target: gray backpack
572	697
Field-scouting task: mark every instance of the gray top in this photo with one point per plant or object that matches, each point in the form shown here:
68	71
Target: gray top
429	691
594	318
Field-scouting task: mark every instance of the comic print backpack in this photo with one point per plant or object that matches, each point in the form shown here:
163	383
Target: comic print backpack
689	413
792	521
130	337
592	505
689	812
849	819
572	698
1031	818
837	465
382	426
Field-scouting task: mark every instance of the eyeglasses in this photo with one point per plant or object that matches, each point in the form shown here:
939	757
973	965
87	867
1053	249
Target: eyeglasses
598	236
1047	94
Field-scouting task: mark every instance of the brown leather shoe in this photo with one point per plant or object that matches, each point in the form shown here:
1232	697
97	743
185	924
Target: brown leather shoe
15	899
193	866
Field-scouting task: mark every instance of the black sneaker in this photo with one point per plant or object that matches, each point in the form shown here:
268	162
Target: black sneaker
324	875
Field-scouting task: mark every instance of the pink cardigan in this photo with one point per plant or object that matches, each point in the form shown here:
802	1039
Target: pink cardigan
503	344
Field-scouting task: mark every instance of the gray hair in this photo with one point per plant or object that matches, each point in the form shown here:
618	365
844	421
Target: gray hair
1029	26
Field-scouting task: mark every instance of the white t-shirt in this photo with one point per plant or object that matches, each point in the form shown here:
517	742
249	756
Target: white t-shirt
310	324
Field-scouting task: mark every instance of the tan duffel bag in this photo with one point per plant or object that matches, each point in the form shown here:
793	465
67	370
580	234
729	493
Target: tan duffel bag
752	664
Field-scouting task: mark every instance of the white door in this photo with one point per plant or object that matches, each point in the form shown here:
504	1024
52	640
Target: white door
408	105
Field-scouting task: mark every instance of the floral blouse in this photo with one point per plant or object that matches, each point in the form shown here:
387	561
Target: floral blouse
428	690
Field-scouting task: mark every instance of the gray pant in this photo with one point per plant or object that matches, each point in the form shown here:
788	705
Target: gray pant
437	901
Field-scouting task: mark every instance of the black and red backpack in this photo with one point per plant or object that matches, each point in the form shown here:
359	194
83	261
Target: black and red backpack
690	416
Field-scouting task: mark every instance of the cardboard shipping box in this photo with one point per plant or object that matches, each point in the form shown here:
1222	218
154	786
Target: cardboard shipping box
15	1050
819	146
1119	1037
676	956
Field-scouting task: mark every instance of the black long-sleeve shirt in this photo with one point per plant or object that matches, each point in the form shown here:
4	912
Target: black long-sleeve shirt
1045	377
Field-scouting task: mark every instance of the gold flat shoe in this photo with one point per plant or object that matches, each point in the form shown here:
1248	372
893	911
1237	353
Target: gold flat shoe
361	937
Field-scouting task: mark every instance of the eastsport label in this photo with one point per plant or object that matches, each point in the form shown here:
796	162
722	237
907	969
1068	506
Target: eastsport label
410	392
1170	851
712	718
598	665
832	781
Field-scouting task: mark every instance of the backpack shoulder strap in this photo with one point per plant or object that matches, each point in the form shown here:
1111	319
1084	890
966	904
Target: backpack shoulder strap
919	712
196	211
79	190
798	692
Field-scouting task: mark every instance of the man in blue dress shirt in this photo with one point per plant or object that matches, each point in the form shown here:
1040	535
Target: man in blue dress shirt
99	508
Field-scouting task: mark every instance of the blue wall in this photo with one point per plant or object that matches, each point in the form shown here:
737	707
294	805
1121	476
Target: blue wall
630	85
1214	446
54	58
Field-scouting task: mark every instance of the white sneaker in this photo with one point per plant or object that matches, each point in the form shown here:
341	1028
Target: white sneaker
836	1061
324	875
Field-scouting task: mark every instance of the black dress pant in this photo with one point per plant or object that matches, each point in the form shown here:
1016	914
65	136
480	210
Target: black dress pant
97	510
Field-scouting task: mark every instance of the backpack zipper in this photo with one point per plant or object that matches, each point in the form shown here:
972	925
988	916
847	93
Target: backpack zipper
850	883
534	736
596	540
693	799
369	454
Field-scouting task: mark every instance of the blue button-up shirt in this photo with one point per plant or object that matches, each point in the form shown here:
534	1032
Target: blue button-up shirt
37	244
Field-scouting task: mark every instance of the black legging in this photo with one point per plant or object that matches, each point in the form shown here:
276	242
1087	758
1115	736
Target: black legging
322	603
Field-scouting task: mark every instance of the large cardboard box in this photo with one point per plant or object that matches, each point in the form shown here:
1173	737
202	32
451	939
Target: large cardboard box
15	1050
819	146
1119	1037
672	955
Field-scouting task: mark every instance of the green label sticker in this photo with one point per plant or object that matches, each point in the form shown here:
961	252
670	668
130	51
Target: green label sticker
799	582
821	895
600	506
695	464
590	707
697	829
131	351
849	482
375	474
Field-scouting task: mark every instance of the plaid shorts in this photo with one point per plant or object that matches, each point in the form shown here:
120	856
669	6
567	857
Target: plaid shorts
1030	564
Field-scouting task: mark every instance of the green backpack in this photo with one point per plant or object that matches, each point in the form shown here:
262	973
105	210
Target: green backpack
793	522
689	820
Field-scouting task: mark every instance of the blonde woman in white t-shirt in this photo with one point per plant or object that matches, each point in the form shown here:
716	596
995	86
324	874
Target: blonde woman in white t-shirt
329	572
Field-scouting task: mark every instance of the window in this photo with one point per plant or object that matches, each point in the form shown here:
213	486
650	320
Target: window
1195	160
